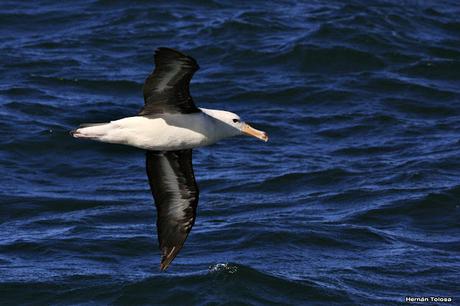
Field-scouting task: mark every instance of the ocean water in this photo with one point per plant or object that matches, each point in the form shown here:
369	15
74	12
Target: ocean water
355	200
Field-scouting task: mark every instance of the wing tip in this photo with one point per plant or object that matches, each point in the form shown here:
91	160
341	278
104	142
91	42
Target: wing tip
163	267
168	257
173	53
170	51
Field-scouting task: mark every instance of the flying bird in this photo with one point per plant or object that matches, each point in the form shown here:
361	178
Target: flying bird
168	127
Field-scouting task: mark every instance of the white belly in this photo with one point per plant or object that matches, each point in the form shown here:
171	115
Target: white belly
170	132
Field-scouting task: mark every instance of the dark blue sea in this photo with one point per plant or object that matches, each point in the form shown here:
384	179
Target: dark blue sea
355	200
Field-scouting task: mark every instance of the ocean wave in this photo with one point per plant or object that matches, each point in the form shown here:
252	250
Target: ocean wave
294	181
412	87
315	59
217	286
411	106
435	69
431	211
113	86
368	150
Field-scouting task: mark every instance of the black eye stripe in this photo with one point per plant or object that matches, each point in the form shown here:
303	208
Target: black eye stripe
236	120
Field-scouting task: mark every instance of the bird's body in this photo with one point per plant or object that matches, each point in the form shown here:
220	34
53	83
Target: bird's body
168	127
167	132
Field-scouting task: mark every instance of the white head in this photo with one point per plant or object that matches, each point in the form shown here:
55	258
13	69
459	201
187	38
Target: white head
230	124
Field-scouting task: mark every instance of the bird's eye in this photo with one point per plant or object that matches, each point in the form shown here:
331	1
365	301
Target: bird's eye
236	120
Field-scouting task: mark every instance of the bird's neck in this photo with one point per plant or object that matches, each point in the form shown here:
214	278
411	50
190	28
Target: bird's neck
218	127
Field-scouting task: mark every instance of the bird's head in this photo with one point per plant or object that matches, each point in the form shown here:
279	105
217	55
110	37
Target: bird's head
233	124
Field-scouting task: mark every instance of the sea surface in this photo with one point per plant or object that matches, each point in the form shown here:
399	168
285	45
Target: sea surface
355	200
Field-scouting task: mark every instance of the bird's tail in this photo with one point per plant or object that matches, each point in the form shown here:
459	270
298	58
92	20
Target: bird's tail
89	130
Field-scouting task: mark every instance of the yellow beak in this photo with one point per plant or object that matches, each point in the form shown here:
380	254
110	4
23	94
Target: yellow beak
248	130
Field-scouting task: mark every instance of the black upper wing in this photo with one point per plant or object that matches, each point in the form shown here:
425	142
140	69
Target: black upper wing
175	192
166	90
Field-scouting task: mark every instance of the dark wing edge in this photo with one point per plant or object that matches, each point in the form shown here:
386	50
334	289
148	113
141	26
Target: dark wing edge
176	193
167	88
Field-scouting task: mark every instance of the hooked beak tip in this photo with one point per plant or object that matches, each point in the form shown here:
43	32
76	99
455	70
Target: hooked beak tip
264	136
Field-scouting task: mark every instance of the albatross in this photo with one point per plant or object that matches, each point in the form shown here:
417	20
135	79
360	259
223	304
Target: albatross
168	127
